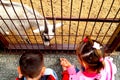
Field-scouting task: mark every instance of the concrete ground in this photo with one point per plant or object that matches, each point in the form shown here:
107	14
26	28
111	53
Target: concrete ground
9	63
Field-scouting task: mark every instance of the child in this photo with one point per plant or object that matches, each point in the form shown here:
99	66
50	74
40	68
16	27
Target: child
92	58
32	68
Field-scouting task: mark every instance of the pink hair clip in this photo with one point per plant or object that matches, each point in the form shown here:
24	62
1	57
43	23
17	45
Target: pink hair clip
85	39
101	59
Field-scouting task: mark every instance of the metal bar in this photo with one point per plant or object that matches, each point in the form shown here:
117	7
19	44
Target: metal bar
110	44
113	35
2	36
36	21
97	17
88	17
105	18
53	23
110	25
115	43
117	20
26	16
70	22
9	19
78	22
20	22
68	35
62	21
52	47
43	17
5	33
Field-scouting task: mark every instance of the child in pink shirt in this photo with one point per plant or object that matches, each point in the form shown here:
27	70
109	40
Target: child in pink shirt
92	57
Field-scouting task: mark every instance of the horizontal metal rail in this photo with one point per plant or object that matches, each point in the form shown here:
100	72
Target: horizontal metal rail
117	20
67	35
42	47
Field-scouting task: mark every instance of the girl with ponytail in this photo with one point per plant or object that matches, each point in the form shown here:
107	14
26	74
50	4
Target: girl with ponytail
95	66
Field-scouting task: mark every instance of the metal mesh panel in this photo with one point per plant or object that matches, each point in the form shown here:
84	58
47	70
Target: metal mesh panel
57	24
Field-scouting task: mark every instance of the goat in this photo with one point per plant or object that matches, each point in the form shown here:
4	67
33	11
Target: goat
17	11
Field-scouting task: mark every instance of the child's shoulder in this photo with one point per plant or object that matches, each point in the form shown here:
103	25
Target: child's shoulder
109	62
47	77
109	58
51	72
110	65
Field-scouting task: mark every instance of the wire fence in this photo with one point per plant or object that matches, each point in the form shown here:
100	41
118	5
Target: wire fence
57	24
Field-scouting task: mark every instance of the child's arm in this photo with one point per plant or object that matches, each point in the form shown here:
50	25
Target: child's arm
52	73
68	65
65	62
71	70
65	75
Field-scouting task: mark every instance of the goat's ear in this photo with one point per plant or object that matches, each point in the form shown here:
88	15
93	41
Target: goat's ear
41	28
58	25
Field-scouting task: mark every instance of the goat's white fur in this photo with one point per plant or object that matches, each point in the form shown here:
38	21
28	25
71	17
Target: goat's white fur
21	14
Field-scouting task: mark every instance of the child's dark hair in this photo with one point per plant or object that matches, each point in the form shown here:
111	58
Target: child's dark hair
90	54
31	64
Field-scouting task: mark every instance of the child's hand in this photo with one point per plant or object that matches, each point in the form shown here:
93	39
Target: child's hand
65	63
19	72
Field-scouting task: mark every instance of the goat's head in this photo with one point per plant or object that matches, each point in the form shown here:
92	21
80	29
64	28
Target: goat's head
49	34
47	37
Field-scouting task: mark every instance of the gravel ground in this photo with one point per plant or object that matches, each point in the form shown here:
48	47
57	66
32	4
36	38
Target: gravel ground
9	63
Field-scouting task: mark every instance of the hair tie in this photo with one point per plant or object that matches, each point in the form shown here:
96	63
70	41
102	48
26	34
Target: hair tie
85	40
101	59
96	45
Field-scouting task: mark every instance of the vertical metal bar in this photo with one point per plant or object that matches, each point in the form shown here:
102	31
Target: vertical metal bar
97	17
70	23
116	43
11	21
78	22
62	21
116	30
110	25
53	23
88	18
5	32
20	22
36	22
105	18
112	45
27	18
10	31
43	16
